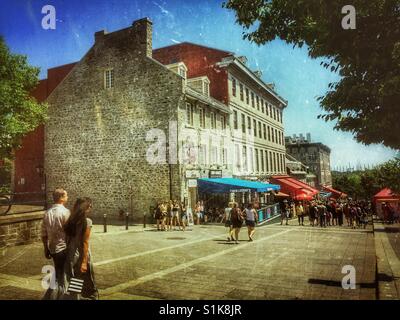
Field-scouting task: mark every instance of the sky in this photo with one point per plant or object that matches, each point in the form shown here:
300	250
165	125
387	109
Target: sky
298	78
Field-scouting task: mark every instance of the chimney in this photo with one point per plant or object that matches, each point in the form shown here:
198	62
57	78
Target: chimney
99	35
144	30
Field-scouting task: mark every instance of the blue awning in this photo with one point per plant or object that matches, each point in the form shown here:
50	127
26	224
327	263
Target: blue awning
226	185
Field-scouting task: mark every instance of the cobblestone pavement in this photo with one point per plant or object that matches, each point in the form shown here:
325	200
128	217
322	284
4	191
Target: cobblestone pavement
284	262
387	243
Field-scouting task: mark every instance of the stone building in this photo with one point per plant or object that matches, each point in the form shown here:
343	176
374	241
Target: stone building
129	125
315	155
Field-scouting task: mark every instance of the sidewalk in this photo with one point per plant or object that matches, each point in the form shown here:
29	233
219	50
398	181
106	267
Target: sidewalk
387	244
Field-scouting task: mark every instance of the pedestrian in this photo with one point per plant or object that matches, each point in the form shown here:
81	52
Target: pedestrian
285	212
322	215
158	216
237	221
183	216
170	207
228	221
251	220
300	213
164	214
79	264
175	214
339	213
197	212
346	212
54	241
312	214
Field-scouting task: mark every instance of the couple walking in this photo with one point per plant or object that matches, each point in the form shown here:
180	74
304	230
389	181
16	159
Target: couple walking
234	217
65	237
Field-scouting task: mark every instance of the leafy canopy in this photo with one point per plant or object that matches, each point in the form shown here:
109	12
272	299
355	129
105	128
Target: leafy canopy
366	100
19	112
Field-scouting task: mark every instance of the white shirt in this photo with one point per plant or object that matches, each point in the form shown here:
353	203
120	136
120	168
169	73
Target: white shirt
52	227
250	215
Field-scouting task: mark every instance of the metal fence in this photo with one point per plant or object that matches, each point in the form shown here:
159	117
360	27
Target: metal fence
268	212
22	202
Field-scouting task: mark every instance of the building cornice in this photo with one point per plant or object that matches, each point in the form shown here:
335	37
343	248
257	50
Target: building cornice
193	94
232	60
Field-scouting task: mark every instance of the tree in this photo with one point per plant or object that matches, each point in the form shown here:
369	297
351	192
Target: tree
19	112
366	100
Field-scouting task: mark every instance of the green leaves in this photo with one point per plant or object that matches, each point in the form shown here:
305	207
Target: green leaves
365	184
366	99
19	112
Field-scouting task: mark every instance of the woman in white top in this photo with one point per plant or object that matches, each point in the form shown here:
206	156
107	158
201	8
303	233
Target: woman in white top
228	221
251	219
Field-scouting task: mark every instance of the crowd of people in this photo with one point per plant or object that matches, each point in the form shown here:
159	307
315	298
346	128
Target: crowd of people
354	214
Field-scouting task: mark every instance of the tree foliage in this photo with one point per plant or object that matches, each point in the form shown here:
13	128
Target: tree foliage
365	184
19	112
366	100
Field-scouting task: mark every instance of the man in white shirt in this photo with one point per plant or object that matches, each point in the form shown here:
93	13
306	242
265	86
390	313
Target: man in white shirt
53	235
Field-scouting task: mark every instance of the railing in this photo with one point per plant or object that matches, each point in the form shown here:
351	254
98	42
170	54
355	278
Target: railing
268	212
22	202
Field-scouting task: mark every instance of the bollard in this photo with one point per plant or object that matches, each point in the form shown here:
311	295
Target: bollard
126	221
144	220
105	222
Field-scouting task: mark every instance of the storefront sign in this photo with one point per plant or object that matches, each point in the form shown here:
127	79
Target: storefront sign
239	190
215	174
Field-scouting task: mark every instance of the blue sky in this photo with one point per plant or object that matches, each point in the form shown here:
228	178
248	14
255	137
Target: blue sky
298	78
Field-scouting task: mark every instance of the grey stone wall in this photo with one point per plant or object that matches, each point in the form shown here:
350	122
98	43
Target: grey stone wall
20	228
95	138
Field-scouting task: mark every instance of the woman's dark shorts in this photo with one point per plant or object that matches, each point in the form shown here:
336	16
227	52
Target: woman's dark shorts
250	223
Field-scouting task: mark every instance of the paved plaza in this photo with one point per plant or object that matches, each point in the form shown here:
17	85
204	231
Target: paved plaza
284	262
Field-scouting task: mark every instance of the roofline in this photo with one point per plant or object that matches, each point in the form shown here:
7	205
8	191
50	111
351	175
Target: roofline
234	60
194	44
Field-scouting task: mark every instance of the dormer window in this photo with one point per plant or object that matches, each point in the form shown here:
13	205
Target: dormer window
200	84
179	68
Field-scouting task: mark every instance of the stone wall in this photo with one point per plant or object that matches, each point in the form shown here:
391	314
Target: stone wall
95	139
20	228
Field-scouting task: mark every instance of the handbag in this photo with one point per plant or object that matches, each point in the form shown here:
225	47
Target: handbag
75	285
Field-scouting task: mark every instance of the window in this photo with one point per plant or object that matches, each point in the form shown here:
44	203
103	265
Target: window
202	118
247	96
203	154
280	137
234	87
270	162
258	103
262	105
244	156
255	127
251	166
182	72
206	88
214	155
262	161
274	157
266	108
274	113
257	162
265	131
248	125
243	123
270	110
213	120
189	113
241	92
237	153
223	122
109	79
269	133
273	134
252	99
235	119
224	156
259	130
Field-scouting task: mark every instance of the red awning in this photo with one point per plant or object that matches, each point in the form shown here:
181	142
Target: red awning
335	193
295	188
385	193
